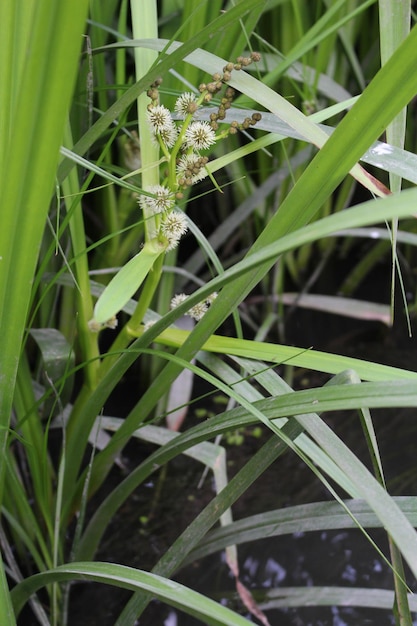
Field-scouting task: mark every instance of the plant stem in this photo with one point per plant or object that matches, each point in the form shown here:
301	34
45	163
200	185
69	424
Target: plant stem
145	26
87	340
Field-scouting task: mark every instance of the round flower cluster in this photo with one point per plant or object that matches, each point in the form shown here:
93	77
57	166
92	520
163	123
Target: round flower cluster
160	199
198	310
186	104
173	223
196	135
199	136
159	118
173	227
95	327
162	125
191	169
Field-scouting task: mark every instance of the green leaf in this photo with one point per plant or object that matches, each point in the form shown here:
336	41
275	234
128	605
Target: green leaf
126	282
317	516
168	591
6	610
36	90
278	353
284	597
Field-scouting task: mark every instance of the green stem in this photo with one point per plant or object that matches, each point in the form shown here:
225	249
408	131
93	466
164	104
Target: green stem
149	289
87	340
41	470
145	26
394	27
401	607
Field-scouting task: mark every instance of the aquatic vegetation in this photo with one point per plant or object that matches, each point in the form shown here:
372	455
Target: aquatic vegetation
118	222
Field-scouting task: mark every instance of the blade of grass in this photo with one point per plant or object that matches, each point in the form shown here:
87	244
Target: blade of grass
48	75
7	615
298	357
394	20
145	24
330	596
317	516
125	577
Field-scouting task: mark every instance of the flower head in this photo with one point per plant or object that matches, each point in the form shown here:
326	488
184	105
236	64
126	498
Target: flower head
186	104
197	311
161	200
199	136
191	167
169	135
95	327
159	118
173	228
148	325
160	121
178	299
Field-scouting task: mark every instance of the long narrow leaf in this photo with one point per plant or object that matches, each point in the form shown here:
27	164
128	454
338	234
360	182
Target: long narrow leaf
168	591
37	119
317	516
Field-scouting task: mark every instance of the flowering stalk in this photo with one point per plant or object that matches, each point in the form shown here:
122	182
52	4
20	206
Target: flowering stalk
181	144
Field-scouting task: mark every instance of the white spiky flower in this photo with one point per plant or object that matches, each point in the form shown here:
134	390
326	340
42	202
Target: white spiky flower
112	323
159	118
178	299
162	125
169	135
161	200
199	136
173	227
186	104
95	327
192	166
197	311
